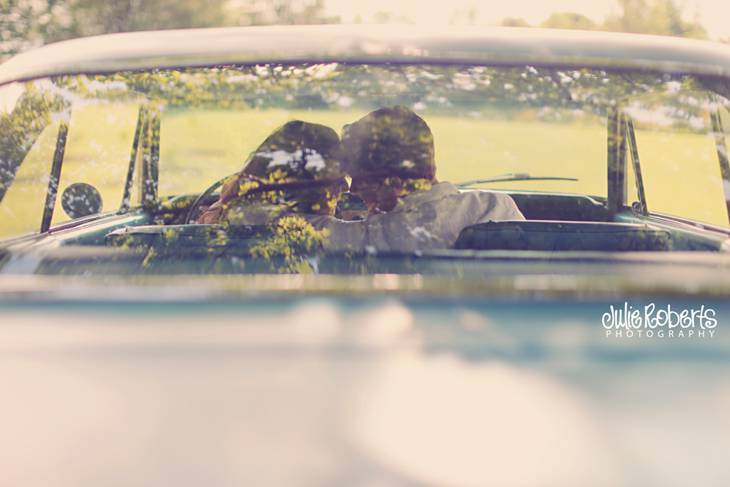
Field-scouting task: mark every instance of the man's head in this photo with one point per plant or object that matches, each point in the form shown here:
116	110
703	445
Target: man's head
296	167
388	153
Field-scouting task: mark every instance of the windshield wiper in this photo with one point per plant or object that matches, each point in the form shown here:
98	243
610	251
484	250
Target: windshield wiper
518	176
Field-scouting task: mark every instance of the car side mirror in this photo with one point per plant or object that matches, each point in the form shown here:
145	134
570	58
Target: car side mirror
81	199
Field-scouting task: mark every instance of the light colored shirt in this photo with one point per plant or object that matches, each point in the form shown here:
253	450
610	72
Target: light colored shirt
423	220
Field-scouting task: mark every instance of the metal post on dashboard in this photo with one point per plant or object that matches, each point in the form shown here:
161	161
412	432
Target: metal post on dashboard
636	161
616	155
719	135
55	177
129	181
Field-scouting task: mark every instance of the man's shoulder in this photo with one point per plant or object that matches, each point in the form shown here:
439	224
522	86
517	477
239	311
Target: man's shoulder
475	196
481	194
437	192
446	196
447	190
490	195
480	206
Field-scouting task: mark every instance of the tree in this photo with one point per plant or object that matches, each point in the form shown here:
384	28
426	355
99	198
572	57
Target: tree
467	16
29	23
663	17
101	17
514	22
282	12
383	17
569	20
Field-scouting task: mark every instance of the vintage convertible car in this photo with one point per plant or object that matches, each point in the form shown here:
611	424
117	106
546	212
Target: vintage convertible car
581	345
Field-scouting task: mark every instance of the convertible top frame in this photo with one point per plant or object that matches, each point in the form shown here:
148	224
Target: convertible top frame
370	44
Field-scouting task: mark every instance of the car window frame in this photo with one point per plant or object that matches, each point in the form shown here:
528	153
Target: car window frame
144	153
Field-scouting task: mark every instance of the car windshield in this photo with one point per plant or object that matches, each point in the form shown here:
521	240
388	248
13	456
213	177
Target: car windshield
184	146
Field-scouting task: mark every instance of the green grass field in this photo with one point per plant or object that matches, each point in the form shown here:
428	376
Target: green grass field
681	171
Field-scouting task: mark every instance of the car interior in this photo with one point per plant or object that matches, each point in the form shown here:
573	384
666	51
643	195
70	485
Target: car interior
554	222
158	231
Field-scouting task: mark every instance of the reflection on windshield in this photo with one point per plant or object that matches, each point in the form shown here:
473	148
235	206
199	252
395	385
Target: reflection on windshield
9	95
366	160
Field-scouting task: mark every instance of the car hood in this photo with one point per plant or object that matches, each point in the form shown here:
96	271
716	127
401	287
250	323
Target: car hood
357	391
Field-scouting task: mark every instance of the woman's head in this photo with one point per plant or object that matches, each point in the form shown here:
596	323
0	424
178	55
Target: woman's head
297	166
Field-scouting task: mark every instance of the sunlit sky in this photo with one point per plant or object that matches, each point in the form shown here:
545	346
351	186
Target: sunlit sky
713	14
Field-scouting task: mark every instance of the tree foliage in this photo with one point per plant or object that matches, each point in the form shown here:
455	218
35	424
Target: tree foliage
288	12
660	17
91	17
514	22
569	20
29	23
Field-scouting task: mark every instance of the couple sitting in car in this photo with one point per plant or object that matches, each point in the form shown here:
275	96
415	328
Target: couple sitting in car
389	154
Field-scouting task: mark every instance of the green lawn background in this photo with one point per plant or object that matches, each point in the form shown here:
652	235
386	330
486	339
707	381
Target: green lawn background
681	171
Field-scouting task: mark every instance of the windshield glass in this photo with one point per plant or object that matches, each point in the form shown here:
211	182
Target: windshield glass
485	121
225	145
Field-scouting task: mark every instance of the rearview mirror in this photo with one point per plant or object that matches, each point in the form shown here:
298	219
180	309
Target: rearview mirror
81	199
